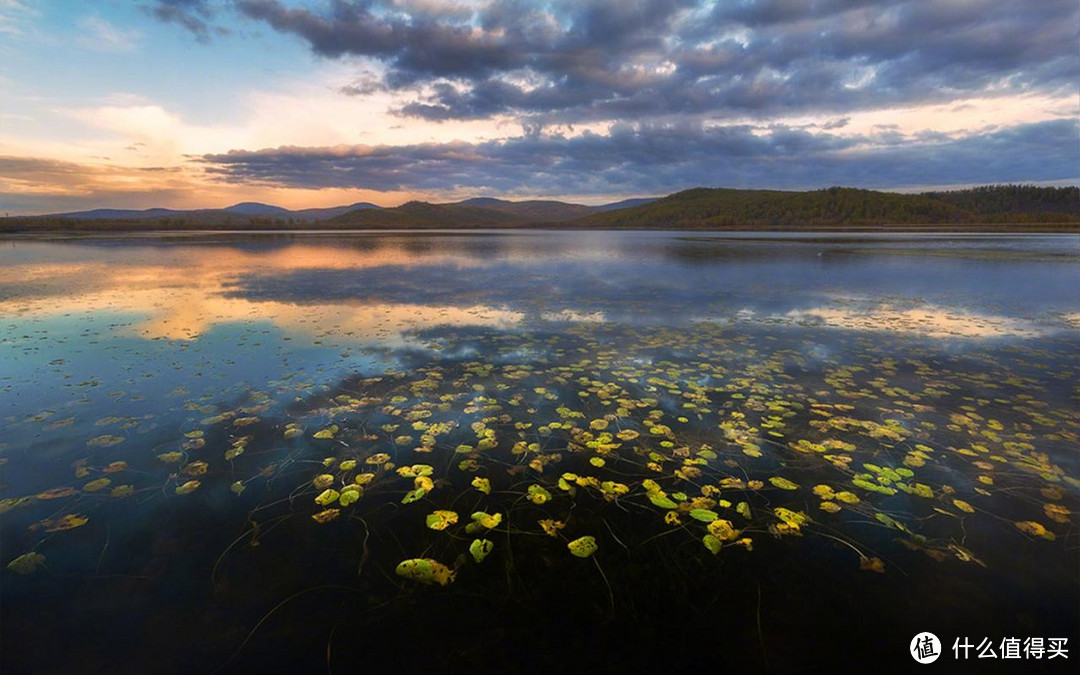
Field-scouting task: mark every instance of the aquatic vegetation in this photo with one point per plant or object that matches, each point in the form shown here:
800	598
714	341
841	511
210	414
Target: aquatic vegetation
583	547
27	563
871	443
481	548
483	461
425	571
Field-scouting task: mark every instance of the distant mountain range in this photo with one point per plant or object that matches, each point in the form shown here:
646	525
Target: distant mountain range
696	209
242	209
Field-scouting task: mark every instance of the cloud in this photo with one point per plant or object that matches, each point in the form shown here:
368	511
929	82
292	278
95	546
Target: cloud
194	16
100	35
650	159
15	15
578	60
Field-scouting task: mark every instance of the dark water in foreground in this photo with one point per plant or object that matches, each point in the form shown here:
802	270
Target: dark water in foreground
792	453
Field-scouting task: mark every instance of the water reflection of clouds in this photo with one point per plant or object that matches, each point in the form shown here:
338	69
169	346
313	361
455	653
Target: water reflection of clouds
183	295
927	321
364	288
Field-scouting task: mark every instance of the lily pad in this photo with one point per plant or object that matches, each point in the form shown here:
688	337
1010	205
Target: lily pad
440	520
481	548
583	547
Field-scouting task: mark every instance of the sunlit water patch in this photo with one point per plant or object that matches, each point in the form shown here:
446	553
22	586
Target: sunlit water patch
519	449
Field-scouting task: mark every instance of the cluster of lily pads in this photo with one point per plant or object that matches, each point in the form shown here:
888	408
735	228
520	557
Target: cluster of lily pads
709	434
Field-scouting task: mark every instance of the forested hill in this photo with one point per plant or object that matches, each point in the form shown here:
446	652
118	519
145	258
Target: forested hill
704	208
997	206
1006	199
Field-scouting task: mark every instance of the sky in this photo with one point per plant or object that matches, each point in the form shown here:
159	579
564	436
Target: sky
311	103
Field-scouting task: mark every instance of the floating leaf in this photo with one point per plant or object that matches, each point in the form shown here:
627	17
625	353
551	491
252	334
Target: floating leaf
1056	512
57	493
293	429
171	457
328	432
414	471
551	527
66	522
115	467
613	489
121	491
440	520
847	497
425	571
886	519
349	495
712	543
481	548
793	518
414	495
323	481
482	484
538	495
921	490
874	564
1035	529
326	516
963	506
95	485
237	487
583	547
661	500
27	563
483	520
783	483
704	515
188	487
327	497
195	468
722	530
105	441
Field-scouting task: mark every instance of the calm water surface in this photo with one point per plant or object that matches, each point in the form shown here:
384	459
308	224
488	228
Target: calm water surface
792	452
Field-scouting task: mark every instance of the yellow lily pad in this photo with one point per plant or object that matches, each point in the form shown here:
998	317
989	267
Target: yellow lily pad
551	527
482	484
713	543
188	487
326	516
327	497
783	483
583	547
538	495
425	571
963	506
1035	529
481	548
440	520
65	522
27	563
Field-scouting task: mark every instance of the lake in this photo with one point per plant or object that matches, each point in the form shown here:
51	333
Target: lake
523	451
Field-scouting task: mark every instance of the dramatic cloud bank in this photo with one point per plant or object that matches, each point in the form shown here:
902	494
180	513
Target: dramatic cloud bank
312	100
649	159
575	60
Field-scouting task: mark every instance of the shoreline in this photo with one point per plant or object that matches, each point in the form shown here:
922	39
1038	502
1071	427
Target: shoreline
930	228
